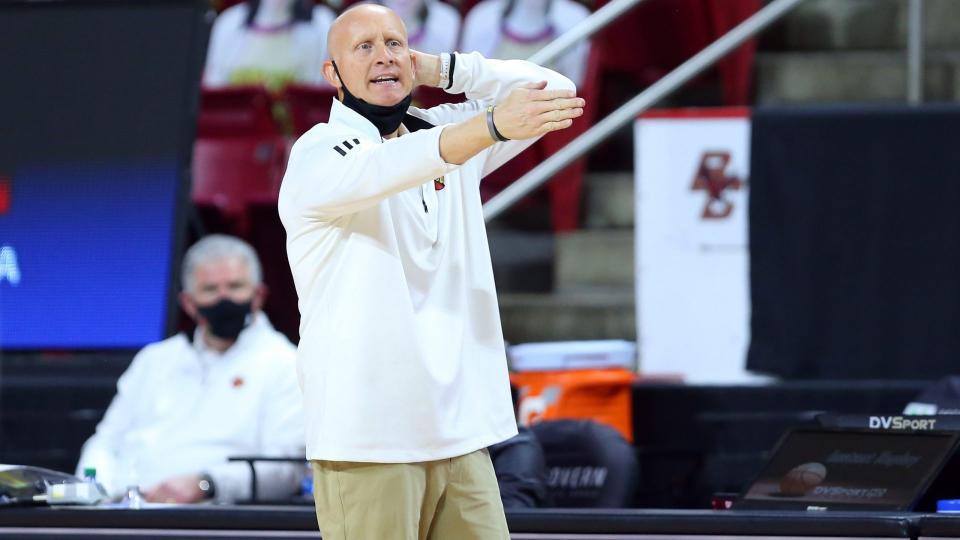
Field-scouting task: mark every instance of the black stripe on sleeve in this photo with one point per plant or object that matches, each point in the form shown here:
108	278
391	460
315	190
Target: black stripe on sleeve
453	65
348	145
341	150
356	142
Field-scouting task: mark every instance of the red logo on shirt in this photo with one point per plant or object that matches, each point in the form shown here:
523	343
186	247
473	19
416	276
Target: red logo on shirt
439	183
237	382
4	194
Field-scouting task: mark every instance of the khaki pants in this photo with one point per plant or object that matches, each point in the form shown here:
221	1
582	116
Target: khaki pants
455	499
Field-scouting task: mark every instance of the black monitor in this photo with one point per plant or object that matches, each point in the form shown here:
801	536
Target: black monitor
845	469
97	118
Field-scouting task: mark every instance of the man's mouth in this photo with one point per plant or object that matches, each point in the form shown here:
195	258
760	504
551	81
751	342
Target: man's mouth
384	80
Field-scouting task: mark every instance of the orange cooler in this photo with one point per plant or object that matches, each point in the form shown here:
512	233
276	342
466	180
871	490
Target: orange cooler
575	380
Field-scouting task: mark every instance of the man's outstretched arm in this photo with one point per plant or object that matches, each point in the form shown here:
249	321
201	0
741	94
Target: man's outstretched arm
324	183
495	82
527	113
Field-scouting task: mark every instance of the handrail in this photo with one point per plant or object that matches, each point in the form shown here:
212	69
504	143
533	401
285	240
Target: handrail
627	112
597	20
915	52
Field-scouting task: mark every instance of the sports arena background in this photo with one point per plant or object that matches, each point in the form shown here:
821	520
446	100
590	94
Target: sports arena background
777	238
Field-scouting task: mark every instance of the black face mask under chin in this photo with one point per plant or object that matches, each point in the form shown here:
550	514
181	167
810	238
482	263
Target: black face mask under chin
386	118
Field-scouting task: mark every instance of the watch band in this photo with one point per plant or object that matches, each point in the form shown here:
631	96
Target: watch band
492	128
444	71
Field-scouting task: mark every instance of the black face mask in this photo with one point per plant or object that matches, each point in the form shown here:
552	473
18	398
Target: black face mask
386	118
226	319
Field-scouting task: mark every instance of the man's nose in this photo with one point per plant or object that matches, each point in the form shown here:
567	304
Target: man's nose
385	55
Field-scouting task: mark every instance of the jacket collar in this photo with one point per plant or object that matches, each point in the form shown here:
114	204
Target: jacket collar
341	114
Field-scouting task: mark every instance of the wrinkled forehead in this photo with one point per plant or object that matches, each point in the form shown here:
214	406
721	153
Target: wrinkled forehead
365	23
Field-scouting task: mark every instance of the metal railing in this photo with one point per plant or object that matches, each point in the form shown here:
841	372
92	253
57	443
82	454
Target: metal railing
597	21
915	52
629	111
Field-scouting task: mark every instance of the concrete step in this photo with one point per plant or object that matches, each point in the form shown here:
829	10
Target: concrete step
831	77
838	24
522	260
819	25
941	19
594	260
572	316
609	200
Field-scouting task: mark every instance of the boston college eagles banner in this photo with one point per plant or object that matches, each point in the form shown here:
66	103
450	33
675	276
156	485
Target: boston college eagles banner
691	232
855	242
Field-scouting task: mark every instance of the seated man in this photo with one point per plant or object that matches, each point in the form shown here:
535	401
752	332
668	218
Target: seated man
186	404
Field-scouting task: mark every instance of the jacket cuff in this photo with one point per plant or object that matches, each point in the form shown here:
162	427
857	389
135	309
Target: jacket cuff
462	70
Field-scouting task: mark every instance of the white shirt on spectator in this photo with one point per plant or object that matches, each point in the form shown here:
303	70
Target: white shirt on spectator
182	408
484	31
240	54
439	31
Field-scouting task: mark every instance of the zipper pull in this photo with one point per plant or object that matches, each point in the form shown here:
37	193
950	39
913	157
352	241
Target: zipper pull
425	211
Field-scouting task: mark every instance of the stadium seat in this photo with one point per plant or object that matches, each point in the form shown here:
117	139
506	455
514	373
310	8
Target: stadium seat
589	465
236	111
636	43
426	97
230	174
308	105
239	155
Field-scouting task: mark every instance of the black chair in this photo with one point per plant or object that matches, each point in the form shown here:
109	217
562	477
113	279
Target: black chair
589	465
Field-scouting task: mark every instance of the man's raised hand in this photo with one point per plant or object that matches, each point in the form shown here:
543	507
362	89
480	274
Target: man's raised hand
531	111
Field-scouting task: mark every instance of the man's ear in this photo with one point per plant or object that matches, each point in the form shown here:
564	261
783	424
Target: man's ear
259	297
188	306
330	75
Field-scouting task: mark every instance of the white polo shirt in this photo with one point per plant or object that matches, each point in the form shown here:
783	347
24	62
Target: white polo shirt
401	355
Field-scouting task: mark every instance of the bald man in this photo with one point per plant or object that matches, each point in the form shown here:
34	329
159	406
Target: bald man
401	356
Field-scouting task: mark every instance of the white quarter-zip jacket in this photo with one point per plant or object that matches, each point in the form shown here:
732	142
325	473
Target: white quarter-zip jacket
401	355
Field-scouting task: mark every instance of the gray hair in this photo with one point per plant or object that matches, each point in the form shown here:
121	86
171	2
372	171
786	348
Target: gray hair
218	246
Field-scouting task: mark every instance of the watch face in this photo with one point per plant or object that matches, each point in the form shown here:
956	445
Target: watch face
206	486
